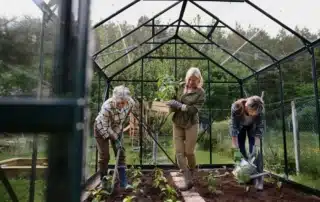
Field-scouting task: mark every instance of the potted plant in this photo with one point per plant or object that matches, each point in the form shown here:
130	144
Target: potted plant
167	90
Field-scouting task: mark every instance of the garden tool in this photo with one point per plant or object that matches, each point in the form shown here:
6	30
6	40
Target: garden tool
246	171
115	175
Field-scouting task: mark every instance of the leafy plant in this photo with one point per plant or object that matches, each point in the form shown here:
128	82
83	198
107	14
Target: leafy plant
128	198
167	87
212	182
98	194
135	174
159	181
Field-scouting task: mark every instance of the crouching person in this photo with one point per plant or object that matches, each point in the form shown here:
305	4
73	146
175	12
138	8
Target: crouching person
108	129
246	121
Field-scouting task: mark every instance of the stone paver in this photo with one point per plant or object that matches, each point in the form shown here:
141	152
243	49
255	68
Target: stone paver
188	196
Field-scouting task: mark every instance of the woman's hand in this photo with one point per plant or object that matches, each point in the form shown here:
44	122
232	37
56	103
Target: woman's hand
174	104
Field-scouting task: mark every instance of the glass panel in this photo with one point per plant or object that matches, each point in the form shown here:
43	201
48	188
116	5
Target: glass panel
155	68
16	161
136	14
299	90
167	50
131	57
183	50
194	16
129	20
217	55
269	32
132	73
20	43
306	26
217	74
222	96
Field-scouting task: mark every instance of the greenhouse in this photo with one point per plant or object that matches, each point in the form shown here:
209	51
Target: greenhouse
60	61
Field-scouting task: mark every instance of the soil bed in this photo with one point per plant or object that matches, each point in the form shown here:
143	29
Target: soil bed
230	190
150	194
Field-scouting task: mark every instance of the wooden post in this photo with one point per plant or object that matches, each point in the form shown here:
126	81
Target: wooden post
296	139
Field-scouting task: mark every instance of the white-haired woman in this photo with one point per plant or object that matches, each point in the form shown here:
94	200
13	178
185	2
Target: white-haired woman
186	122
108	126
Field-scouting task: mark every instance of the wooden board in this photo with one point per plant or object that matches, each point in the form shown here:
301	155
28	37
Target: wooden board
159	106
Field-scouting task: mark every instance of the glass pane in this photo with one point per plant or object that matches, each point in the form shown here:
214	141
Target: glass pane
217	74
21	39
16	161
299	90
194	16
136	14
125	62
218	55
269	32
306	26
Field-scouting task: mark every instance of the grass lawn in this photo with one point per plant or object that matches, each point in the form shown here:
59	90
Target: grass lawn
21	188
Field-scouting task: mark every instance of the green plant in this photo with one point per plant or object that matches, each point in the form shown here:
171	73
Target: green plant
167	87
135	175
212	182
159	181
128	198
98	194
170	193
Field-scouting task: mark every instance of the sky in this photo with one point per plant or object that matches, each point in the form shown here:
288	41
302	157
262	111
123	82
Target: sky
302	13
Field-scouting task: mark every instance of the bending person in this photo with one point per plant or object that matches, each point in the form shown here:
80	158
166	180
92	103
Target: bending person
246	121
108	126
186	123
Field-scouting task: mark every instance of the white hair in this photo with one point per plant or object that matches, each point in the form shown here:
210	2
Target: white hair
194	71
121	93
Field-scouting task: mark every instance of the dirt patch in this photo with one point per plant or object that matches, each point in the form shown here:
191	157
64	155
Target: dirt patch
147	194
230	190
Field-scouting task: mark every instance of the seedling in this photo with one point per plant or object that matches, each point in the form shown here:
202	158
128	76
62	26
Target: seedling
129	199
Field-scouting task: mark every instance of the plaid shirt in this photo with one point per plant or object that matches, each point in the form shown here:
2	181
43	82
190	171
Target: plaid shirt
237	123
110	119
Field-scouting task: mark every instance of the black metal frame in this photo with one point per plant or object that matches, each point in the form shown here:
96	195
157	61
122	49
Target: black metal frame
66	121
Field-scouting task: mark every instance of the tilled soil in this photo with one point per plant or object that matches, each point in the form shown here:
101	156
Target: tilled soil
228	189
149	194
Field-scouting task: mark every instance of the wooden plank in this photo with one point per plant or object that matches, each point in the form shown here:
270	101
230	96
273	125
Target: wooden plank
189	195
159	106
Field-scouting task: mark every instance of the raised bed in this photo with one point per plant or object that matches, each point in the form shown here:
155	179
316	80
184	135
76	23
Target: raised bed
150	189
226	188
223	188
21	167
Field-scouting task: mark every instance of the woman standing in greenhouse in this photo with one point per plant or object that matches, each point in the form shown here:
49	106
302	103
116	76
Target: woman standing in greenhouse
246	120
186	123
108	126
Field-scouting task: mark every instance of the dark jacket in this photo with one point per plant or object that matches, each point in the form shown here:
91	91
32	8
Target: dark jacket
194	101
256	128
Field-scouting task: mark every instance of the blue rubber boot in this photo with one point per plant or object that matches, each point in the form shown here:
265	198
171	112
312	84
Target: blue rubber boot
123	178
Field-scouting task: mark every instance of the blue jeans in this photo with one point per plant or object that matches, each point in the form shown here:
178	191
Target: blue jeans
245	131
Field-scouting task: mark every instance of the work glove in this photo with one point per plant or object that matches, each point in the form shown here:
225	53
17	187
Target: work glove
174	104
236	155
